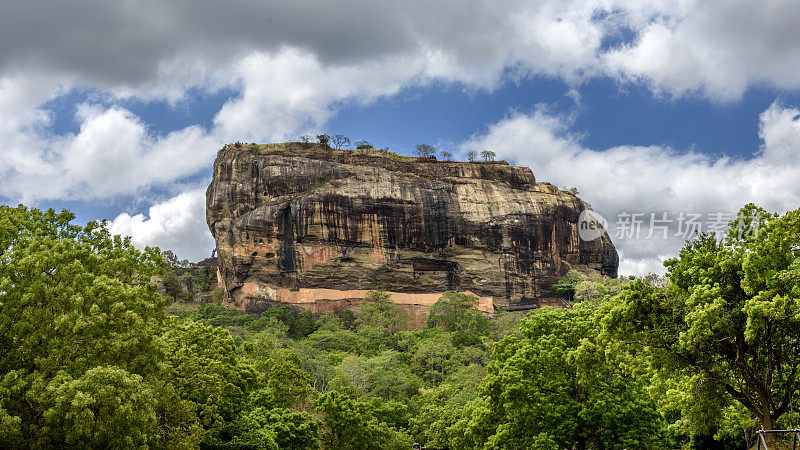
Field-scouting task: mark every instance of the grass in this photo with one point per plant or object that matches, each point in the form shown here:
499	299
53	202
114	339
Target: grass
313	149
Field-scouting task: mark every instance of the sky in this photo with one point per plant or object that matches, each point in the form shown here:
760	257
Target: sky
667	116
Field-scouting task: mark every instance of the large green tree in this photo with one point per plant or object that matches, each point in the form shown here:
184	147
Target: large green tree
379	321
79	324
350	424
456	313
262	428
379	311
731	313
104	407
202	364
558	387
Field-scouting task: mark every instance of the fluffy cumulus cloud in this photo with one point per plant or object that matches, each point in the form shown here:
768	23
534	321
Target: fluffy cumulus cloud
112	154
153	48
714	48
291	62
291	92
282	95
177	224
673	186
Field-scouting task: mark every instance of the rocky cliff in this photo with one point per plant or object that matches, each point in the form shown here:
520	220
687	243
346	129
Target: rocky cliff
317	228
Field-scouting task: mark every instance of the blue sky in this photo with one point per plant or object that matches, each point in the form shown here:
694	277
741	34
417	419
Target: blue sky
446	115
666	107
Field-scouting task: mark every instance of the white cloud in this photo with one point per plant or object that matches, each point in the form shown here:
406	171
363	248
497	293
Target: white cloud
633	179
780	133
292	92
177	224
714	48
112	154
292	62
159	48
282	96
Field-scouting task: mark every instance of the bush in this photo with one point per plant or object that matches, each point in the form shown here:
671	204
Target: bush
220	316
456	313
299	324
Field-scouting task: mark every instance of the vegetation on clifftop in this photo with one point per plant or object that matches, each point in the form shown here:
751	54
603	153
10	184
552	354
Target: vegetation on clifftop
363	148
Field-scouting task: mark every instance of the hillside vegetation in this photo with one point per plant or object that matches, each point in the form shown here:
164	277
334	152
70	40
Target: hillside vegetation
90	358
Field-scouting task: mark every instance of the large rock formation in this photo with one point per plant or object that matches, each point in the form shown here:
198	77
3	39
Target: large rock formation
317	228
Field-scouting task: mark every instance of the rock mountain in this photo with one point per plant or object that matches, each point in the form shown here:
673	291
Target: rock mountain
317	228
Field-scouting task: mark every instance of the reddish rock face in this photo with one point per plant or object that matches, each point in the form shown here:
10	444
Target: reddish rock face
317	228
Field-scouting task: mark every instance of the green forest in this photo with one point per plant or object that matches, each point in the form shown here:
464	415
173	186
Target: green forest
106	346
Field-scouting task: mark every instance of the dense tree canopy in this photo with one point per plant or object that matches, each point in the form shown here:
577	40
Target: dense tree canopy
731	312
79	325
455	312
557	387
90	356
202	364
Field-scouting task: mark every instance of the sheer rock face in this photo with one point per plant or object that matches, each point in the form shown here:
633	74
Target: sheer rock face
317	228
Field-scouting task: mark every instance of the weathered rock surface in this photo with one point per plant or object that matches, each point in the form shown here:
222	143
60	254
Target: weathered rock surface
317	228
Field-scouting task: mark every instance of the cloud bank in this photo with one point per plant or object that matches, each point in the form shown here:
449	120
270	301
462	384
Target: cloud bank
177	224
292	62
653	179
